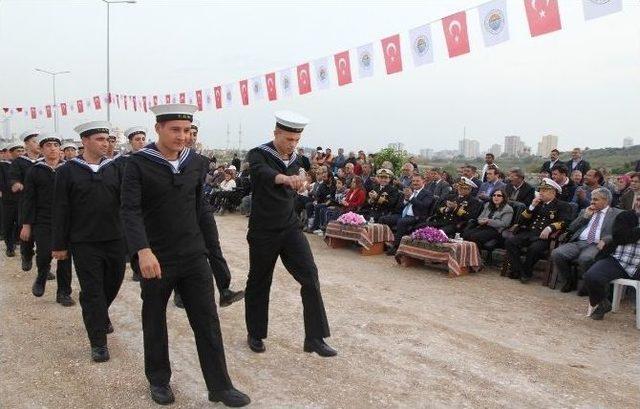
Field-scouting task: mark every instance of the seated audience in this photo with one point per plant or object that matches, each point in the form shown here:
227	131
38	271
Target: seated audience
471	173
588	234
544	216
630	199
576	177
623	183
592	180
559	175
438	186
492	182
382	199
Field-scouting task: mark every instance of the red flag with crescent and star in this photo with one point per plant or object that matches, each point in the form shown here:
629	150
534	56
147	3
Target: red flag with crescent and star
271	86
47	109
96	102
392	54
80	105
199	99
304	80
244	92
343	67
456	34
217	94
543	16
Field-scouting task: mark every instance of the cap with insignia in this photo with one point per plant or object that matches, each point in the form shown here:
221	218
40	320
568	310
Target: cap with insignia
69	145
290	121
550	184
12	146
384	172
26	135
466	182
48	137
91	128
133	131
195	124
174	112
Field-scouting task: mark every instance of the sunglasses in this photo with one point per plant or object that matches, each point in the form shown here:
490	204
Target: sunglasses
497	195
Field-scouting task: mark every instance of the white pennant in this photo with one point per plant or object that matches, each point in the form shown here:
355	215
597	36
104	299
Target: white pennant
321	71
598	8
494	22
365	60
421	45
285	82
257	87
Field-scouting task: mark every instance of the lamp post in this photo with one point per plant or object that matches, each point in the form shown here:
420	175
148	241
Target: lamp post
55	103
109	3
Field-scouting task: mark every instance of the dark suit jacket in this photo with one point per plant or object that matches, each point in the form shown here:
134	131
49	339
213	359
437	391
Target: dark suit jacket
580	223
441	189
626	200
525	194
306	164
583	166
546	167
422	203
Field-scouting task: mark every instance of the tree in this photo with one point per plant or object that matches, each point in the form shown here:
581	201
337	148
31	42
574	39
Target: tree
396	158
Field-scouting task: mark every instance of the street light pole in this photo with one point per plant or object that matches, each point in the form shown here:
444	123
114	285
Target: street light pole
55	102
109	2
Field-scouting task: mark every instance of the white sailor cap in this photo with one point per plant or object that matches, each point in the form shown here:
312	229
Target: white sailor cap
195	124
135	130
465	181
232	167
28	134
3	147
69	145
548	183
48	137
90	128
13	145
384	172
173	112
291	121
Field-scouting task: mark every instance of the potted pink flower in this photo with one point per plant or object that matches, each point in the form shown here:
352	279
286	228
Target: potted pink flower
352	219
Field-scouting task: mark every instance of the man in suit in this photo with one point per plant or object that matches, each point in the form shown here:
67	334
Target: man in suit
489	159
492	183
588	233
415	208
438	186
517	189
554	159
560	175
368	179
577	163
306	163
471	173
630	198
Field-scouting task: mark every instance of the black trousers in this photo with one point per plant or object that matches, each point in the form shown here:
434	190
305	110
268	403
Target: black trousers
536	249
598	277
292	247
26	247
192	278
42	238
481	234
401	225
217	261
100	270
10	224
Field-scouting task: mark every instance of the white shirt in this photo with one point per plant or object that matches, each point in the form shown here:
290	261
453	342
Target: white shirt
585	233
174	163
93	167
409	211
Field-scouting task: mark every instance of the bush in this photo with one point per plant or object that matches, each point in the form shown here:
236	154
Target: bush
389	154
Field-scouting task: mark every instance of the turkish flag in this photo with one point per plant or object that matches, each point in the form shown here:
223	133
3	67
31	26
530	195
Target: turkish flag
270	79
5	110
63	109
34	113
456	34
19	109
118	100
392	54
343	67
80	105
109	99
144	103
96	102
199	99
543	16
47	109
167	99
126	107
155	100
217	93
183	97
304	81
244	92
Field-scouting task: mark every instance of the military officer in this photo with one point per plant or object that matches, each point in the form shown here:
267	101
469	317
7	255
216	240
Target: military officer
86	223
457	209
384	198
544	216
275	231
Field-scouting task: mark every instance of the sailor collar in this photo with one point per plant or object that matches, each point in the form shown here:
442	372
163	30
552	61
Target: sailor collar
152	153
271	150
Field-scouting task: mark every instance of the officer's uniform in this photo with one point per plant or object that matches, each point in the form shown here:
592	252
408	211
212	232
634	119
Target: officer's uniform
453	221
17	174
36	212
386	202
162	206
275	231
86	222
532	221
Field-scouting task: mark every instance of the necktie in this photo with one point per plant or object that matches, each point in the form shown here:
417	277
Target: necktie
591	236
405	211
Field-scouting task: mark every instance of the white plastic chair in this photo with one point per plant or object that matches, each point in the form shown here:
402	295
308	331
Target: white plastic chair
618	286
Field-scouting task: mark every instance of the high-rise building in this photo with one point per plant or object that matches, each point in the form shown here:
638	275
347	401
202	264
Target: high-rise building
397	146
426	153
512	145
469	148
627	142
547	144
496	149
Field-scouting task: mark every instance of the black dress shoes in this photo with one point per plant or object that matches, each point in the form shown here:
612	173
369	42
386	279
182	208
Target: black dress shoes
38	288
65	300
318	346
10	253
524	279
231	397
177	300
162	394
255	344
27	264
569	286
228	297
100	354
51	276
601	309
109	327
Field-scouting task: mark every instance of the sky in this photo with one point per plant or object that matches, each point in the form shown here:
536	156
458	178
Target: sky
580	83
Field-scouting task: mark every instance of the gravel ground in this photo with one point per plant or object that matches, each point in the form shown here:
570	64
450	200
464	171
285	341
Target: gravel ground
406	338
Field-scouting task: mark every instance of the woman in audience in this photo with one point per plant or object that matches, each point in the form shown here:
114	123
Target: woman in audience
494	218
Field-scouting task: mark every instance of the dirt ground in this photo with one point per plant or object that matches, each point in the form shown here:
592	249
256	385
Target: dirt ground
406	338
